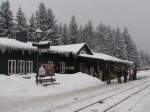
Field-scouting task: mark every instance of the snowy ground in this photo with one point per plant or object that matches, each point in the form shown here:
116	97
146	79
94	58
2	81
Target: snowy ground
76	92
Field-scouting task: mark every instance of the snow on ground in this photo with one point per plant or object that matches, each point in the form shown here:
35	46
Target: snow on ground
15	85
74	91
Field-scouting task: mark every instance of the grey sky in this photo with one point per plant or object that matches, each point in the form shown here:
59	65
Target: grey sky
134	14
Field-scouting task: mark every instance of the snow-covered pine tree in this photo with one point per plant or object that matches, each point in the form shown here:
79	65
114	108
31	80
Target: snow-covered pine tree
52	28
101	43
121	45
112	42
131	46
21	21
1	26
65	38
73	30
41	18
88	33
32	28
60	29
109	39
6	18
80	36
47	23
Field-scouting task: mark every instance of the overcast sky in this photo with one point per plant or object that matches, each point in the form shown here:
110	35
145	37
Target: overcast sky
133	14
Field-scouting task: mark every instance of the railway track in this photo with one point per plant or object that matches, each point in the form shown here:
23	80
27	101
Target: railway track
127	98
127	88
100	102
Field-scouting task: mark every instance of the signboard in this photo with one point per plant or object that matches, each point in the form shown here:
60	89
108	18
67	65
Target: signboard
49	69
42	70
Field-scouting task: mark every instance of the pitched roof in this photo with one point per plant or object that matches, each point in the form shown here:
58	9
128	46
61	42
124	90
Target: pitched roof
73	48
104	57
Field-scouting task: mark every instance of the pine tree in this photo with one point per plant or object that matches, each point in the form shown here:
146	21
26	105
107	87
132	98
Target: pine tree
65	38
80	36
6	19
111	42
108	38
73	30
21	21
32	28
121	45
88	34
101	43
131	46
52	28
47	23
41	18
60	29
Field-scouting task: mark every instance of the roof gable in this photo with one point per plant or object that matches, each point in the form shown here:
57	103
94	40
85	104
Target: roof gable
85	50
72	48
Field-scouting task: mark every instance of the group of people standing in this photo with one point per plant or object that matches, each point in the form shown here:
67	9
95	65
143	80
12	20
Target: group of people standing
120	71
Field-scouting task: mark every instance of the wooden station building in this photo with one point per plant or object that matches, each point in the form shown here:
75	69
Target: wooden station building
18	57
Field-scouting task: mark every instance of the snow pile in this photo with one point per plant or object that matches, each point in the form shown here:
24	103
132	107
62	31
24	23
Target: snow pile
77	81
16	86
14	44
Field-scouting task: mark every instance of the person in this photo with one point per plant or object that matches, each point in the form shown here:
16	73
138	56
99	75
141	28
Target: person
125	74
119	75
134	72
131	74
107	74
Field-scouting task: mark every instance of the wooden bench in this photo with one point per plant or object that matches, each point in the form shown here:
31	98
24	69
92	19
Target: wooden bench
47	80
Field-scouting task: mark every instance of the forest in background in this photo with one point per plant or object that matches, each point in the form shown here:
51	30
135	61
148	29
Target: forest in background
100	38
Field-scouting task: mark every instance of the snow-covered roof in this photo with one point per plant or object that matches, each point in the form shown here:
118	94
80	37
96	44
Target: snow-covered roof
14	44
104	57
73	48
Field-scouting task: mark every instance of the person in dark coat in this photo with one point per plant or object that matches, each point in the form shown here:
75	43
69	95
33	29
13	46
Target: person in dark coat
125	74
107	74
119	75
134	72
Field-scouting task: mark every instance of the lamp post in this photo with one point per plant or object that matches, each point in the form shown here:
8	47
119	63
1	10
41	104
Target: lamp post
38	34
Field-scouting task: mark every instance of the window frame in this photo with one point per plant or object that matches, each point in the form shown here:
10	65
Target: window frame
62	67
21	67
11	67
29	67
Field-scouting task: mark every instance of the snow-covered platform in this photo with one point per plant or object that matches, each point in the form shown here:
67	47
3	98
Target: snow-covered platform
74	92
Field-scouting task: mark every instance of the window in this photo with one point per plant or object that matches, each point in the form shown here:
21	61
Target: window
29	67
62	67
21	67
11	67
